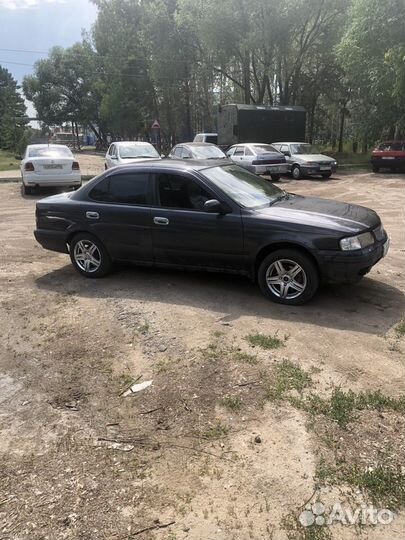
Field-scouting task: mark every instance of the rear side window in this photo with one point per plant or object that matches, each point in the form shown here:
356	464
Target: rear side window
211	139
122	189
198	138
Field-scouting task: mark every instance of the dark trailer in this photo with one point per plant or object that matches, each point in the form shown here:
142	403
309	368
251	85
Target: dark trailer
260	123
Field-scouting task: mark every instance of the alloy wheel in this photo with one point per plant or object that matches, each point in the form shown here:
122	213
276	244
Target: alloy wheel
286	279
87	256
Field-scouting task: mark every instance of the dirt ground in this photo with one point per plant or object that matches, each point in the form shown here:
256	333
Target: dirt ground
207	451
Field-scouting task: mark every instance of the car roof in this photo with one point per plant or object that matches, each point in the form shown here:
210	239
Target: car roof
205	133
45	145
196	144
134	143
175	164
290	142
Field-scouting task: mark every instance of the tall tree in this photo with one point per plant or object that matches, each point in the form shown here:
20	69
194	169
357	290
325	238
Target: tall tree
12	112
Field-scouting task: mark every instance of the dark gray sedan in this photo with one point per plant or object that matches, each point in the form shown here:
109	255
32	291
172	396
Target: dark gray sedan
214	216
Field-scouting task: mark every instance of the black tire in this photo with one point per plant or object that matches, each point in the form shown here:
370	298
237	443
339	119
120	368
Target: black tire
97	268
296	172
376	169
275	177
326	175
307	278
27	190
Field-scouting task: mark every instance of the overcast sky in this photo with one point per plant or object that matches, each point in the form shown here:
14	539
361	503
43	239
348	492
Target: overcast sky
38	25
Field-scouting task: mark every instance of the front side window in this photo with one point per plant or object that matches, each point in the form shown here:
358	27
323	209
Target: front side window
239	151
175	191
178	151
243	187
127	188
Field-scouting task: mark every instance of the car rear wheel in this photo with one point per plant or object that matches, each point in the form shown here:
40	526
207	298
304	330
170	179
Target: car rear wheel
296	172
89	256
376	169
27	190
288	276
275	177
326	175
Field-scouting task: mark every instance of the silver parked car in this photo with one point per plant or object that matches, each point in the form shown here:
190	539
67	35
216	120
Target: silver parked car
303	159
259	158
196	150
123	152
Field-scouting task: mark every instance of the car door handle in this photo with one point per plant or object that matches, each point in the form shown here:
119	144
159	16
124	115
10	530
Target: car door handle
160	221
92	215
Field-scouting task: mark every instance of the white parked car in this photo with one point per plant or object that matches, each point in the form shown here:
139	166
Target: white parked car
123	152
259	158
303	159
49	165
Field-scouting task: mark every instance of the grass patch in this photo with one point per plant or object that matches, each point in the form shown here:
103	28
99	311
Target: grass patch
400	328
245	358
233	403
287	376
342	406
266	341
385	486
8	161
216	432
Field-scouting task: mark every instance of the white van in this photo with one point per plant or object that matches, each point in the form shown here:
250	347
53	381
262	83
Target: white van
206	137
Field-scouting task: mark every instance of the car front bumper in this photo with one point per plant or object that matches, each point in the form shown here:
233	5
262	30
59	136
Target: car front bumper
308	169
388	163
350	266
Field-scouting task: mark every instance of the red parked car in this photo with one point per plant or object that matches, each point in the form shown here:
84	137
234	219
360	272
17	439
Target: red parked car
389	155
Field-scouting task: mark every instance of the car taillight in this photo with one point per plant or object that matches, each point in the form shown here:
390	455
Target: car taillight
75	166
29	166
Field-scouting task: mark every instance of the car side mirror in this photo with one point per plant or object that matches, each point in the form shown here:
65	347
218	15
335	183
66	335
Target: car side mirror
213	206
113	157
162	156
287	153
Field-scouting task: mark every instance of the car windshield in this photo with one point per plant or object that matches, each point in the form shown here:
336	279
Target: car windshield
207	152
303	149
392	146
264	148
137	151
245	188
50	151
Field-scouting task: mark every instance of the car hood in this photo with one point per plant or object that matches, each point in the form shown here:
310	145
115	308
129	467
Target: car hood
312	157
322	213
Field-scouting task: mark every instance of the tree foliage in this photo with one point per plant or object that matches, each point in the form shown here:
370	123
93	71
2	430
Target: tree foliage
12	112
176	60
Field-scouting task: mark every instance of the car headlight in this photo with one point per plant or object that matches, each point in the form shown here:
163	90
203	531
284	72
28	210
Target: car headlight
334	163
357	242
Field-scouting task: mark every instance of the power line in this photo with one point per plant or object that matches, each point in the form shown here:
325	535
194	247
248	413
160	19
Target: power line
24	51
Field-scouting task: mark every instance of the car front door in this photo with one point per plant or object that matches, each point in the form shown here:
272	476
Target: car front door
119	213
238	155
186	235
285	149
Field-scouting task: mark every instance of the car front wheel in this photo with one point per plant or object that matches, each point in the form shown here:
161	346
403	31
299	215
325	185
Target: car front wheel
296	172
288	276
275	177
376	169
326	175
89	256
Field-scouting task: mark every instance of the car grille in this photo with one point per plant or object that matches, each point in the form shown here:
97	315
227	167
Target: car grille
379	232
325	163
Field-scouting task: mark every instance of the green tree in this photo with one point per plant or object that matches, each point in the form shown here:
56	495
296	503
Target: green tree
12	112
66	87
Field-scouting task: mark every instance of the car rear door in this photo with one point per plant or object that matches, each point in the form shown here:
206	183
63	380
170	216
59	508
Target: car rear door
119	213
185	235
